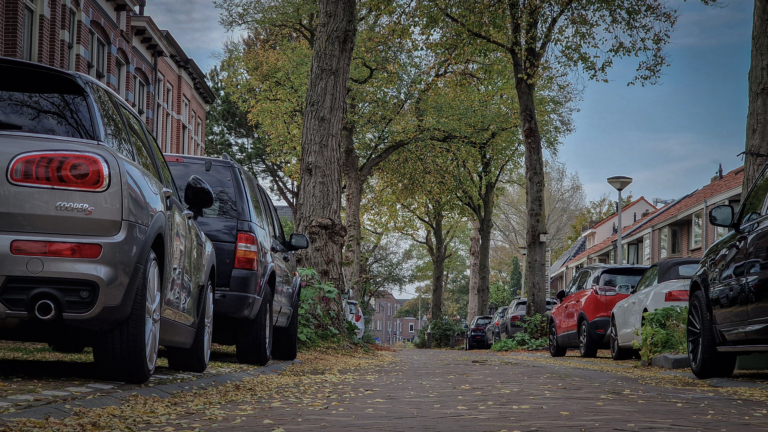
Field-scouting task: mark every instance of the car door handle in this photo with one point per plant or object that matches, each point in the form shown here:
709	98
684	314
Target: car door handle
167	193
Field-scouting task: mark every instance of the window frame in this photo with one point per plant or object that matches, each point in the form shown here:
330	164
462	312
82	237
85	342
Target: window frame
141	96
694	244
120	69
29	31
72	42
411	328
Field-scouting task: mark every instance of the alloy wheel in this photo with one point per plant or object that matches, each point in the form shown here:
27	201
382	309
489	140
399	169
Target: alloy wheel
583	338
552	338
152	315
694	334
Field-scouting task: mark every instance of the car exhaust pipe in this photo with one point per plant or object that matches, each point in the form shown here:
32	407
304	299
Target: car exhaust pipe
45	310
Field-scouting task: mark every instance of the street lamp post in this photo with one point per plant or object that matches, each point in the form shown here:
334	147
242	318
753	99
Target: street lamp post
619	183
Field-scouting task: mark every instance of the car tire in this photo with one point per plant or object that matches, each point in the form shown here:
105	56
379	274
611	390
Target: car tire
617	352
587	346
67	347
469	345
286	344
196	357
129	351
555	350
706	362
255	337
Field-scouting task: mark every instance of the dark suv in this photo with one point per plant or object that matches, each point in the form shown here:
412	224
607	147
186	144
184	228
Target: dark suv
257	285
728	303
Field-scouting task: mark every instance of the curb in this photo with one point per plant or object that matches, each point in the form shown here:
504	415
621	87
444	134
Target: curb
671	361
65	409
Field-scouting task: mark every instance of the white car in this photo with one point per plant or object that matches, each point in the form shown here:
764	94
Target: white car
664	284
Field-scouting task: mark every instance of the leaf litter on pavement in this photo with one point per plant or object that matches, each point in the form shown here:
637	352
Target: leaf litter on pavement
322	379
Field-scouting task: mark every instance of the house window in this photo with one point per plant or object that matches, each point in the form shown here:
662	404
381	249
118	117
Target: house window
141	96
378	324
696	231
72	38
120	76
612	257
389	326
184	148
28	31
410	328
647	249
389	309
168	132
674	240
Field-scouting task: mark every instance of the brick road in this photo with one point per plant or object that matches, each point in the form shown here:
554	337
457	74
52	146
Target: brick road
432	390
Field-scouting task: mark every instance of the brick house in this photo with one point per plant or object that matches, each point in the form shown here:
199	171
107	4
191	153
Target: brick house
678	230
114	42
386	328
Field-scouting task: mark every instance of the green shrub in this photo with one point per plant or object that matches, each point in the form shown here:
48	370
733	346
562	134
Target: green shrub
421	341
663	331
534	336
442	330
315	318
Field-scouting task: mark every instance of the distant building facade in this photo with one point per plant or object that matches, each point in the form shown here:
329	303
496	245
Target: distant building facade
388	330
114	42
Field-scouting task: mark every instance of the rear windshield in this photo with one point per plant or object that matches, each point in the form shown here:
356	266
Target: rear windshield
219	178
687	270
614	278
520	307
44	103
483	321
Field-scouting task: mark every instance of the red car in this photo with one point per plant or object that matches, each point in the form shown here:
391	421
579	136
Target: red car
583	317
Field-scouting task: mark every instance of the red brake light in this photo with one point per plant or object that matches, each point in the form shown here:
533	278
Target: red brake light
55	249
247	253
478	329
496	323
514	318
60	170
676	296
605	290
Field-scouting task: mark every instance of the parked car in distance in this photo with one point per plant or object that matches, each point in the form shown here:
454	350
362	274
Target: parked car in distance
664	284
99	248
492	330
728	300
514	316
475	337
256	306
582	319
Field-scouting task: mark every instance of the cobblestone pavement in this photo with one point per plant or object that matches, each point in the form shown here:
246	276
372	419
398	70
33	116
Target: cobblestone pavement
433	390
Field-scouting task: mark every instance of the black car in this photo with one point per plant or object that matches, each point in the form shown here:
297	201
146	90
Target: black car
492	334
511	322
728	303
475	337
257	285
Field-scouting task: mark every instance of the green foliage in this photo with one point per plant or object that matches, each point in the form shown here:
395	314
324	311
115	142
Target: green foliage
315	318
663	331
500	294
534	336
515	277
421	341
441	331
288	225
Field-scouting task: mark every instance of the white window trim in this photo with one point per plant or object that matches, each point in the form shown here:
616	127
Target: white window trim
410	328
693	230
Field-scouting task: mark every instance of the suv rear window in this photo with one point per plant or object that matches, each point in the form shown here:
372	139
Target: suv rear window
616	277
219	178
44	103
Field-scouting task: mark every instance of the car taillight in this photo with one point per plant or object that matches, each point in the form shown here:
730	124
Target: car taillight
496	323
55	249
478	329
676	296
60	170
514	318
605	290
247	252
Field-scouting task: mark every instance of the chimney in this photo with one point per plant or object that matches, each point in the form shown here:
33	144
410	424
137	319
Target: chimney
142	5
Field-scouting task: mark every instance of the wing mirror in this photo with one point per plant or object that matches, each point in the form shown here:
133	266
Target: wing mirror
721	216
560	295
298	242
198	195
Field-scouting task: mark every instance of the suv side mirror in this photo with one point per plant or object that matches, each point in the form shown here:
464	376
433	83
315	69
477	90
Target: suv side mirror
560	295
198	195
721	216
298	242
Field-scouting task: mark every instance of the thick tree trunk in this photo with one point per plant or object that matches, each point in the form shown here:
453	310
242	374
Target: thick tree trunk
438	269
757	116
473	308
354	196
534	189
319	202
484	268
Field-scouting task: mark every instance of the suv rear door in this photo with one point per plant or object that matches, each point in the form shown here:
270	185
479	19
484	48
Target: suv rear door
279	253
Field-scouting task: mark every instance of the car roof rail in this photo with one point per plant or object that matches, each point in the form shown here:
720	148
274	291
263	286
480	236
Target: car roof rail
226	157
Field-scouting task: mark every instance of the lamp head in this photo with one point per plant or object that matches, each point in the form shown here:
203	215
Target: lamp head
619	182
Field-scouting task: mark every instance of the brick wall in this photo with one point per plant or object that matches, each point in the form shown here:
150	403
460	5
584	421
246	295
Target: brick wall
13	17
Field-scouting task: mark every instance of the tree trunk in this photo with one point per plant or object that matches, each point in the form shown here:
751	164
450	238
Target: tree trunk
319	202
354	196
484	271
757	124
438	269
534	191
473	307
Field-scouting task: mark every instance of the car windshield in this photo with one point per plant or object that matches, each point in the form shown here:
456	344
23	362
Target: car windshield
483	321
219	178
44	103
622	278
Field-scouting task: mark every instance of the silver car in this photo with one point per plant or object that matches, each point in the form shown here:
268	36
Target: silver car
97	247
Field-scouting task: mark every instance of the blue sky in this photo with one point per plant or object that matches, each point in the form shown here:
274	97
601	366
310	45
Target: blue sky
669	137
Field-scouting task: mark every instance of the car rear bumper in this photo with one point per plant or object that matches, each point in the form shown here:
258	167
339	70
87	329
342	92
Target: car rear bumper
599	329
92	293
241	299
477	339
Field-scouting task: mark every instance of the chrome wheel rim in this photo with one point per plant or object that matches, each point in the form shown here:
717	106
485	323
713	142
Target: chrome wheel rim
694	334
583	338
207	338
552	339
152	315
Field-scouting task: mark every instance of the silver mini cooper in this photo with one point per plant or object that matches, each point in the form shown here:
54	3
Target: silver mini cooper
97	247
